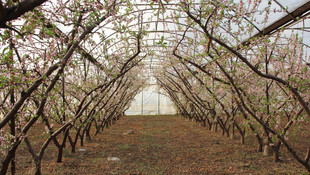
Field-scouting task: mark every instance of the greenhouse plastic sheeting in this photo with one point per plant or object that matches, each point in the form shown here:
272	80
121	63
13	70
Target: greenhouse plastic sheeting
151	101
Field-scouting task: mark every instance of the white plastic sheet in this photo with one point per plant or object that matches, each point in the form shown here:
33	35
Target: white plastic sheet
151	101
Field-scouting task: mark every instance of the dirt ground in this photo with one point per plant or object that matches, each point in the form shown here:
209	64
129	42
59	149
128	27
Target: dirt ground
160	145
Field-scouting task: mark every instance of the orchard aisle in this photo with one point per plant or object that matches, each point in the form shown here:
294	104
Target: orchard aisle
166	145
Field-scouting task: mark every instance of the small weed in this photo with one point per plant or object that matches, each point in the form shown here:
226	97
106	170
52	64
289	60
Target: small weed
103	154
125	146
303	173
97	160
67	153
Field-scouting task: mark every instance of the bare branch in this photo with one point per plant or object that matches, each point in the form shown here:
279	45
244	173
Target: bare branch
13	12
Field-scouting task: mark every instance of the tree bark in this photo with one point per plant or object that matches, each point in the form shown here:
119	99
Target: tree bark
276	150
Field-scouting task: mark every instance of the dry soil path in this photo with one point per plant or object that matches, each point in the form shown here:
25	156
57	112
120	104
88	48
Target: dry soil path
166	145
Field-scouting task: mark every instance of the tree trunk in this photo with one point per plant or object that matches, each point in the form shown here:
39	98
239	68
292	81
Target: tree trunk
12	128
307	157
72	143
210	125
203	123
8	158
82	139
88	131
260	147
276	150
214	127
242	133
242	138
267	150
232	134
38	167
60	151
228	131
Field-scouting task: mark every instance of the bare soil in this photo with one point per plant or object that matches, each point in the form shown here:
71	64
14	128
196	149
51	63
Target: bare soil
159	145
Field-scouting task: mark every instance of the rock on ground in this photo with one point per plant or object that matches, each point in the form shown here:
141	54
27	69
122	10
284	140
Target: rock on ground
114	159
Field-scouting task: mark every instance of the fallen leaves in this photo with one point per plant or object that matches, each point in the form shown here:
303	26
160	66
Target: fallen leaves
162	145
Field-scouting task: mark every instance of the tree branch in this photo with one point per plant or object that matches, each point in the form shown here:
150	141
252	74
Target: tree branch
13	12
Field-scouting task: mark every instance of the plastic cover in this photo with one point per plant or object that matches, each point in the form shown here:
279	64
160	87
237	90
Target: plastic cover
151	101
